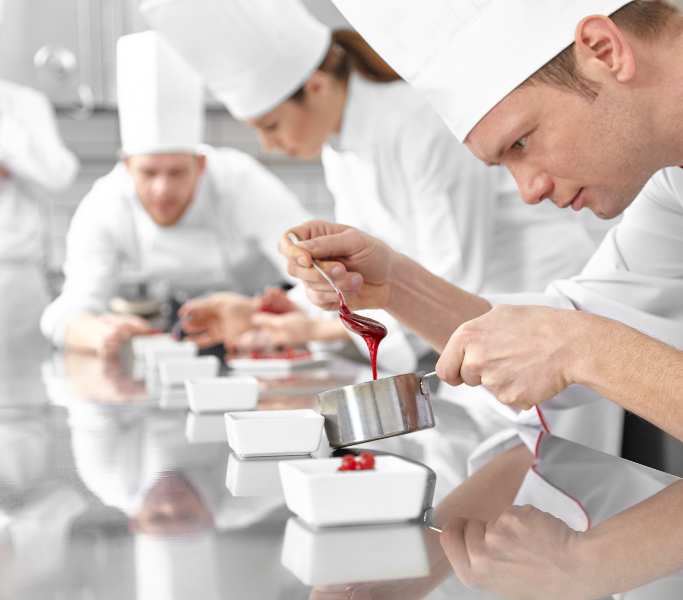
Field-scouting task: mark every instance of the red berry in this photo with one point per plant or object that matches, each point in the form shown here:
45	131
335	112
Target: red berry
348	463
366	461
347	468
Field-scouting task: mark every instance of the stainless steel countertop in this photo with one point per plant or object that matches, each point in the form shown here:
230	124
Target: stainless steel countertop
111	491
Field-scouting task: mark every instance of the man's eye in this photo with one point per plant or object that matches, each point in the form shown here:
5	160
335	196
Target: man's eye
271	127
520	143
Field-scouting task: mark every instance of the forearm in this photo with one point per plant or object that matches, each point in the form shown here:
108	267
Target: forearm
489	491
635	547
635	371
429	306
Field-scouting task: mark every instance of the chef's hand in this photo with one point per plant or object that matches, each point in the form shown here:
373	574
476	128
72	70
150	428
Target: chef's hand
524	553
218	319
524	355
275	300
103	334
359	264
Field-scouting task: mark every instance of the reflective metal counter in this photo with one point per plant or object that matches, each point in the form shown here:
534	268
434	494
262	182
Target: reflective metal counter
111	491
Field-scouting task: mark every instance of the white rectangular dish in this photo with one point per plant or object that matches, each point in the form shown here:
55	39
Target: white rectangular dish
393	492
222	394
176	350
140	343
204	429
254	476
274	432
174	371
339	555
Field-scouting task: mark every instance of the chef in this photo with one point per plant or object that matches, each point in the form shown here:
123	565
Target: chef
587	129
171	213
34	162
392	165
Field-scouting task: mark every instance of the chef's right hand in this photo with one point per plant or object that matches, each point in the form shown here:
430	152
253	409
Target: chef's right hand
103	334
358	263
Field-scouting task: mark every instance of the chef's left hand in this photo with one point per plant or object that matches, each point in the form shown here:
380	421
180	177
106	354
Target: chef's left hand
218	319
524	355
524	553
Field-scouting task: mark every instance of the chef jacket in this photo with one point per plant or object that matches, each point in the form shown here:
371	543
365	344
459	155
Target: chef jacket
237	205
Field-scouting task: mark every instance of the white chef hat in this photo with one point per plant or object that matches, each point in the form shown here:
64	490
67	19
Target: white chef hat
253	54
466	56
160	97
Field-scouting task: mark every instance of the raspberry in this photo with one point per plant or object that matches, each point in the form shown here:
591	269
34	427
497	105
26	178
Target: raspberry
348	463
366	461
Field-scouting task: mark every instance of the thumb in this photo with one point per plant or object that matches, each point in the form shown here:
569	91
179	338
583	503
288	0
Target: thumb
263	319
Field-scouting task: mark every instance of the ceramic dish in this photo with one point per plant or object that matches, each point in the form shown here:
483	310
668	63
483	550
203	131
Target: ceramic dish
174	371
315	490
274	432
339	555
175	350
222	394
140	343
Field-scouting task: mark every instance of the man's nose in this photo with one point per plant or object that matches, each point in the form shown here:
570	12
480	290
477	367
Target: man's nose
267	141
161	186
534	187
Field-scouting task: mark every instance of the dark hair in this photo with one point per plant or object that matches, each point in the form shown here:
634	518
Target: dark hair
647	20
350	52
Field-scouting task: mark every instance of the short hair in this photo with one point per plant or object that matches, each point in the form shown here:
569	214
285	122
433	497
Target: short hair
646	20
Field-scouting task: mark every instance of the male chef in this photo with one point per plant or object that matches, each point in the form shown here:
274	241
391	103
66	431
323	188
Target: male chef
581	101
172	214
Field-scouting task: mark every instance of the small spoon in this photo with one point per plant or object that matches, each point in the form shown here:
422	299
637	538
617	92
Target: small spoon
373	332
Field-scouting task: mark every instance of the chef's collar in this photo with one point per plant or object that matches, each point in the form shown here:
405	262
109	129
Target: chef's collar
360	118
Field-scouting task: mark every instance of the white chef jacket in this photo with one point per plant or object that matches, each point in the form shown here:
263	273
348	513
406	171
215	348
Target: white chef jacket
33	153
237	204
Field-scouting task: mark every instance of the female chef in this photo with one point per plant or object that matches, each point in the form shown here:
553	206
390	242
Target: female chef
393	166
170	212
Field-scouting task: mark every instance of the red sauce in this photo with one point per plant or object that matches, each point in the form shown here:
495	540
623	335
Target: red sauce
373	332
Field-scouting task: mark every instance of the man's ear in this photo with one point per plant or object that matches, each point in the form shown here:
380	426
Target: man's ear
133	525
201	162
126	161
602	51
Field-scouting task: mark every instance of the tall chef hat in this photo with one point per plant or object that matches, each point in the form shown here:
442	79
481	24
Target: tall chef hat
253	54
160	96
465	56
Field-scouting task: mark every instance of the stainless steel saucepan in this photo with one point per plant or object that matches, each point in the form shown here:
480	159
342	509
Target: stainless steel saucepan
377	409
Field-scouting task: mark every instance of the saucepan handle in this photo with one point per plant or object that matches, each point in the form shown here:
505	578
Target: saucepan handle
424	383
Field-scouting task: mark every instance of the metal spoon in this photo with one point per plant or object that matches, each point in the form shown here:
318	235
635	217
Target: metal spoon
294	238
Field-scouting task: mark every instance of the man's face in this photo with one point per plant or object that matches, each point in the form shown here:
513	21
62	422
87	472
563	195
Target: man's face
165	183
562	146
172	507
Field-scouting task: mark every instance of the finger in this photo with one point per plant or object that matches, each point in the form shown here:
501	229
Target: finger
449	364
266	320
345	243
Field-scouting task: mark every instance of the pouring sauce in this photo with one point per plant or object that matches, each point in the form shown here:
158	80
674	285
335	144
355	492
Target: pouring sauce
373	332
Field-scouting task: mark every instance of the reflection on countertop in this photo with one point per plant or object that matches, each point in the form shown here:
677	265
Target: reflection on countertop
110	488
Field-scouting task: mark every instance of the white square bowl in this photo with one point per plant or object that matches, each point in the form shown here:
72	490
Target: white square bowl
254	476
222	394
175	350
174	371
274	432
140	343
393	492
203	429
339	555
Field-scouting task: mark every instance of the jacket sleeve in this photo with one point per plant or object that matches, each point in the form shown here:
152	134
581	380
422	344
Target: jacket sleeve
265	208
90	268
31	147
636	275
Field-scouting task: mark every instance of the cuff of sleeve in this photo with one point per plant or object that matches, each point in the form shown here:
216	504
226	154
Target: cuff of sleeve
551	300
